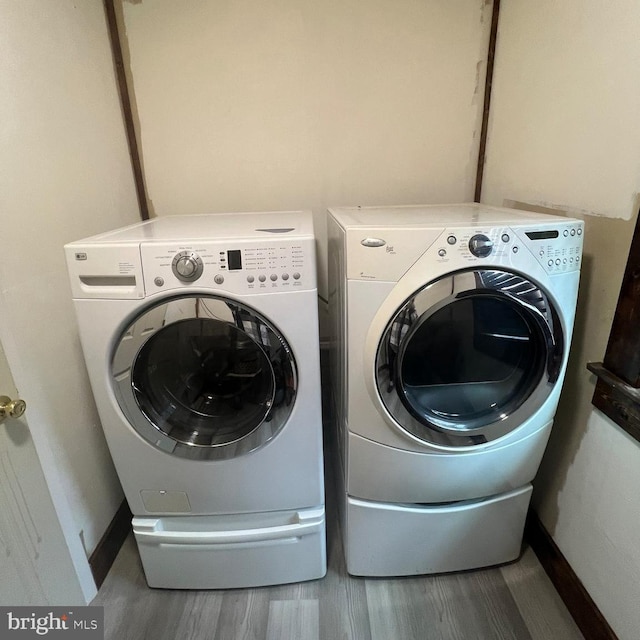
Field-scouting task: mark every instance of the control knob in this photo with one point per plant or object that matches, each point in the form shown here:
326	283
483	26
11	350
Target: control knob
480	245
187	266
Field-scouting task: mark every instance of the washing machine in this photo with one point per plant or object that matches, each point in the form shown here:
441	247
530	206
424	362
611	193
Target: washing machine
451	328
200	334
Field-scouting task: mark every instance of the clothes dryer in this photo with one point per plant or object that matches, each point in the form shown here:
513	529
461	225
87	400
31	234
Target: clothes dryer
451	331
200	338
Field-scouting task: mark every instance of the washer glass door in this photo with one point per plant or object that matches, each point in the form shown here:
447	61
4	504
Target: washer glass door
204	377
469	357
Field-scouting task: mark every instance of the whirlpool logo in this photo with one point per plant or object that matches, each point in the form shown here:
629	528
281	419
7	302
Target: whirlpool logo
81	623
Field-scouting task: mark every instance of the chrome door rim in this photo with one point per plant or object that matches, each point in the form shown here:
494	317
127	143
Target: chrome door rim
264	336
505	286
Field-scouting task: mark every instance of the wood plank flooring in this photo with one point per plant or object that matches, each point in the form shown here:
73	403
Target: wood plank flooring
515	601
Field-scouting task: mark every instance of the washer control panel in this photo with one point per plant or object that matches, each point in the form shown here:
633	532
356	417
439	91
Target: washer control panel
243	267
557	247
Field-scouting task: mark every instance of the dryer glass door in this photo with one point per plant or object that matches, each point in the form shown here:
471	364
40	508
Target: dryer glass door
467	357
204	377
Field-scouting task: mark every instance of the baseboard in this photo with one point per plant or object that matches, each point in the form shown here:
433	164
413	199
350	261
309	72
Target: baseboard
107	549
583	609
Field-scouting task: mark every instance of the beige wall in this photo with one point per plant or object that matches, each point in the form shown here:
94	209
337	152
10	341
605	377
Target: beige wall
64	174
564	132
291	104
565	110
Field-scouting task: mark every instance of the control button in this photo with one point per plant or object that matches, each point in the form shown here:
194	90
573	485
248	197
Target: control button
557	261
577	260
579	231
285	276
250	279
480	245
373	242
550	263
273	277
515	249
505	237
187	266
570	259
442	252
219	279
452	239
565	261
573	232
262	278
158	281
541	253
565	233
296	276
183	267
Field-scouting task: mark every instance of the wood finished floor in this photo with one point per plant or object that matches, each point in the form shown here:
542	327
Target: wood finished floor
515	601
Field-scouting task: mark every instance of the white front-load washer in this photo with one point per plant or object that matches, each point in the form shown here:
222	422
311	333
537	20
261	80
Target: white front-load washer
451	329
200	335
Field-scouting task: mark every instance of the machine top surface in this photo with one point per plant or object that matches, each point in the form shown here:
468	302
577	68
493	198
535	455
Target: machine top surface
447	215
214	226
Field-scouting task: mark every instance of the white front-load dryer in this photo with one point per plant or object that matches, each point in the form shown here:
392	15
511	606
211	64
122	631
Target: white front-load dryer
200	335
451	330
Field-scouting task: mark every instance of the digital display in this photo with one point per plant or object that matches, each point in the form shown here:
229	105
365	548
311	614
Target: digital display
234	259
542	235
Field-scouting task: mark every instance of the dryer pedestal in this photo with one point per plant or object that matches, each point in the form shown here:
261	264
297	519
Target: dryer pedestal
383	539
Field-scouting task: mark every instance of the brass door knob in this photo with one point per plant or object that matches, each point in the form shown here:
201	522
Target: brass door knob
11	408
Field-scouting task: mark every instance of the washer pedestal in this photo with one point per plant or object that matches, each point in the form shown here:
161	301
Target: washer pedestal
226	552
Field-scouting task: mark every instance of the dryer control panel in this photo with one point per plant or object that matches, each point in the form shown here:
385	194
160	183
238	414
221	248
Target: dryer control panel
558	248
241	267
